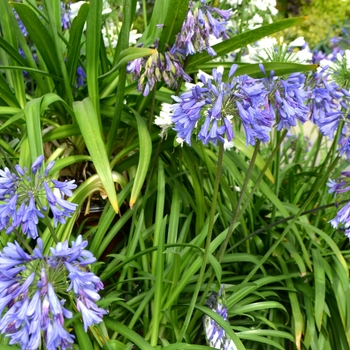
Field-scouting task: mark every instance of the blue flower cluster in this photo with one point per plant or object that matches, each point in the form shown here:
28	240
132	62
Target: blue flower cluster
199	25
33	289
329	108
211	106
157	67
340	187
287	99
215	335
23	195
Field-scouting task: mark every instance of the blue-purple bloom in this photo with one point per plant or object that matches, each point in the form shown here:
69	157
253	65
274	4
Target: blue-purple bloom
24	193
329	106
200	23
287	98
215	335
212	106
340	187
33	289
158	67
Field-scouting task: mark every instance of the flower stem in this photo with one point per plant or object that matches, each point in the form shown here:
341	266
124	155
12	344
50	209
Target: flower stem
200	279
51	229
239	203
23	241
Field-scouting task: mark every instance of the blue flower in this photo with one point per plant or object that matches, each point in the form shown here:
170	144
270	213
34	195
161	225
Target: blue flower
33	289
199	25
212	107
24	193
215	335
156	68
288	99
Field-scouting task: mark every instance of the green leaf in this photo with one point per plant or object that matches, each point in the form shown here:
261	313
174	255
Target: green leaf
93	38
279	68
82	336
128	55
40	35
242	40
119	327
6	94
223	324
32	113
240	143
75	33
87	119
320	287
144	158
176	14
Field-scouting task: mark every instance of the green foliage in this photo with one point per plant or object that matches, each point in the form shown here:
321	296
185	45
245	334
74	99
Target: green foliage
284	267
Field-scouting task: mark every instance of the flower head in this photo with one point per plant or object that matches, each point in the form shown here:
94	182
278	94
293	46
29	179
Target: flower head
158	67
340	187
22	198
200	23
215	335
287	97
33	289
211	108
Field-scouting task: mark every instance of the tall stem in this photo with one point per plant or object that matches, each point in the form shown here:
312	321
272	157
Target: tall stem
23	241
200	279
239	203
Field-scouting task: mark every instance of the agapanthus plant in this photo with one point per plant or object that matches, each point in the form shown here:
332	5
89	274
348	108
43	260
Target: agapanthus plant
212	107
35	287
24	194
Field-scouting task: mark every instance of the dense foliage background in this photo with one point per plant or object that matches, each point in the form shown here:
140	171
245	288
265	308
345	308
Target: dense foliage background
170	222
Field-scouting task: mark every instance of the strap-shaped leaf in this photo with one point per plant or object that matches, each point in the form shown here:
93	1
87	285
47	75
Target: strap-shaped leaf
144	158
40	35
177	11
87	119
244	39
75	34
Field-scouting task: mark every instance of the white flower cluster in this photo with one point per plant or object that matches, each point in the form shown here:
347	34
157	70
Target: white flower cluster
268	49
256	13
111	30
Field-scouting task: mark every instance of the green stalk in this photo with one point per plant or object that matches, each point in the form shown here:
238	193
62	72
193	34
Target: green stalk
240	213
239	203
49	226
23	241
200	279
276	173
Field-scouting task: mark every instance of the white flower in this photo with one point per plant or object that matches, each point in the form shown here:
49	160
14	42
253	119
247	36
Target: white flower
206	75
110	34
74	9
213	40
303	56
255	22
164	119
347	58
180	141
220	69
228	145
298	42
